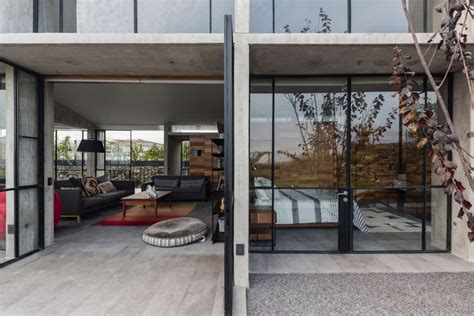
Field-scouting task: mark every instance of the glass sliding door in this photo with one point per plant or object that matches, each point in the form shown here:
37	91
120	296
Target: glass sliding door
333	168
28	151
7	163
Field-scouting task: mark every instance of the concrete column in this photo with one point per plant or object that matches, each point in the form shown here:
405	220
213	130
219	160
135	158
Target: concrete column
10	157
48	163
90	156
463	117
241	163
242	16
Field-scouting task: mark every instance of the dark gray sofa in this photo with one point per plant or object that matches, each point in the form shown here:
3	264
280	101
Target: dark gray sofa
74	203
185	188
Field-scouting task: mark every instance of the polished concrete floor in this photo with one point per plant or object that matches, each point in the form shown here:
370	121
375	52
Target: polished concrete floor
96	270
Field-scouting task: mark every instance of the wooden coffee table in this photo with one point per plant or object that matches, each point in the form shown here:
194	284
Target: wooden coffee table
142	198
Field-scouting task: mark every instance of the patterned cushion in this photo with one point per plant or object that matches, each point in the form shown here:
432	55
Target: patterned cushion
91	187
107	187
175	232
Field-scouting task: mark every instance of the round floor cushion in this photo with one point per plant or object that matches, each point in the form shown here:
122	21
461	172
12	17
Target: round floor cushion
175	232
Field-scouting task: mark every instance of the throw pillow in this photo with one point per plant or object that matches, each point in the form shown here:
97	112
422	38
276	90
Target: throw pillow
91	186
107	187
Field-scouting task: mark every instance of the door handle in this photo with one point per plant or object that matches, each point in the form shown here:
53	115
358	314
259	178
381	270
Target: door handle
344	193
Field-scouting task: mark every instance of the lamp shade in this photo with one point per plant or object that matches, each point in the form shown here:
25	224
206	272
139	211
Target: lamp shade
91	146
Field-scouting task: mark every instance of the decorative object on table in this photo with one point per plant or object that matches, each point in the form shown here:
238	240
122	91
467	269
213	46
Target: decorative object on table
150	191
175	232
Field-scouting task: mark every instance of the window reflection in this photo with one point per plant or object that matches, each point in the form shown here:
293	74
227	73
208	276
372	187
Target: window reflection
312	16
261	16
310	132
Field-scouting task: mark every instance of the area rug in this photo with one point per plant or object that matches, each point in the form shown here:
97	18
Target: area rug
145	216
384	222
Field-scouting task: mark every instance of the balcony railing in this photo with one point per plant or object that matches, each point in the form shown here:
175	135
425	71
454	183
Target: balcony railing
131	16
337	16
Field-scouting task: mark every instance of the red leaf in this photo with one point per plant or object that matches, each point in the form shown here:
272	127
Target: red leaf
467	204
459	186
470	236
461	213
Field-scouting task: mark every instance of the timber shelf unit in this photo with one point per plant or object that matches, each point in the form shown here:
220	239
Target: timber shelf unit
262	221
217	186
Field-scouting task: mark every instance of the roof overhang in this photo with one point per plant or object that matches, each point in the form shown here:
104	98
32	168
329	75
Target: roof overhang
338	54
144	55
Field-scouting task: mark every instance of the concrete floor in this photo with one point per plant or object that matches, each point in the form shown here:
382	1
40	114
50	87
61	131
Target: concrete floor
95	270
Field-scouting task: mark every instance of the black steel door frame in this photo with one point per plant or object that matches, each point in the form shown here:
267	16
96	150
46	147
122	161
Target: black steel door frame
229	164
40	158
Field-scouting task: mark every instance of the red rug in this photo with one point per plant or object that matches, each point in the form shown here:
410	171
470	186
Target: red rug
139	216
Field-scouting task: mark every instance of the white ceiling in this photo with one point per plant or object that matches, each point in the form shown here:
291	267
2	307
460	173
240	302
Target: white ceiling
139	104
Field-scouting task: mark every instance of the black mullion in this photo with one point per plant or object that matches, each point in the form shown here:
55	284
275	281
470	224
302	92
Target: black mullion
273	164
130	159
273	16
348	162
425	16
210	16
17	155
450	156
56	154
41	188
349	16
425	175
135	16
35	16
61	16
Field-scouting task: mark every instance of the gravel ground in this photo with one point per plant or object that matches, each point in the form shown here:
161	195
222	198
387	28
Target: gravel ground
368	294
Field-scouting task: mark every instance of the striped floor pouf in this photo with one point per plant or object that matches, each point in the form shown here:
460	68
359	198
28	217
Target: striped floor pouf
175	232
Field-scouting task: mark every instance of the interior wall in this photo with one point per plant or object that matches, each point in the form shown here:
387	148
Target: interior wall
174	154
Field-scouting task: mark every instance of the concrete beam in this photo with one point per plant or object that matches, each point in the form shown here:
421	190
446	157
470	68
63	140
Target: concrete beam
65	116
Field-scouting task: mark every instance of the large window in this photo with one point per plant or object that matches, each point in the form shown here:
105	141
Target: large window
334	16
312	139
69	163
128	16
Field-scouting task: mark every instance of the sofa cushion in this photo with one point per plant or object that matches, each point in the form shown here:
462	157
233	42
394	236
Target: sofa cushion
166	183
91	186
191	183
93	201
102	179
107	187
113	196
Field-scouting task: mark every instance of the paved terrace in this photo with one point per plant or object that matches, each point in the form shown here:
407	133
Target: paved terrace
94	270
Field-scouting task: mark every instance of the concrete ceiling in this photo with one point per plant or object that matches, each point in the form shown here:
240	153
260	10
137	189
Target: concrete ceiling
135	104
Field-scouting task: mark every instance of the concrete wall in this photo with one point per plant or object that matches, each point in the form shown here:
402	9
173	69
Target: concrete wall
104	16
10	157
48	163
463	117
65	116
174	154
16	16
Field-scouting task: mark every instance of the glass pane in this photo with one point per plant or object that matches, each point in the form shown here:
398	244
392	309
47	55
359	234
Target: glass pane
118	155
375	16
312	16
27	161
261	133
7	217
28	220
393	218
310	132
69	16
436	220
7	127
383	152
102	16
100	156
261	16
68	160
306	219
219	9
147	156
28	105
48	16
178	16
262	219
